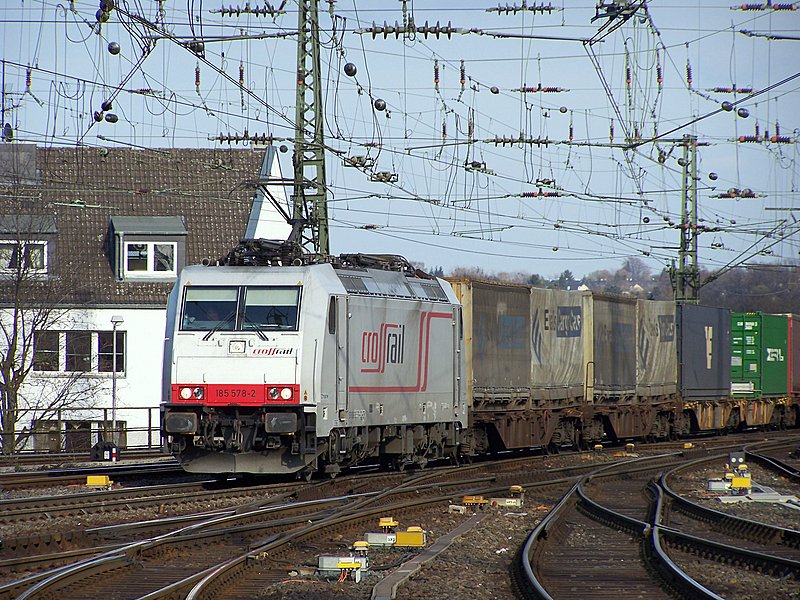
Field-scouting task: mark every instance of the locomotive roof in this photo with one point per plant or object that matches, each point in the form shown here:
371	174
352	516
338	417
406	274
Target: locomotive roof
356	281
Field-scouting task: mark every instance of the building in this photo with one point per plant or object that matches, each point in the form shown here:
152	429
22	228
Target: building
94	235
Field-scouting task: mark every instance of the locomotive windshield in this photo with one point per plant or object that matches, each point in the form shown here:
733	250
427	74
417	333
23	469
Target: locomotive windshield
240	308
210	308
270	308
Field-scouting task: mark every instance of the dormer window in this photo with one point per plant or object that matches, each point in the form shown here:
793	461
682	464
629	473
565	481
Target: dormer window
23	256
148	248
27	245
150	258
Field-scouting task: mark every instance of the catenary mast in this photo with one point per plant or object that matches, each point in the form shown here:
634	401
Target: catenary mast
310	196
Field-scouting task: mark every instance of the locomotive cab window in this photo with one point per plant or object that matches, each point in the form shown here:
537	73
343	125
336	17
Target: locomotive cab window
206	309
270	308
332	315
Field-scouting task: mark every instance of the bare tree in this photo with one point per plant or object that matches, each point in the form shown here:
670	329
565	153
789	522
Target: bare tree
34	298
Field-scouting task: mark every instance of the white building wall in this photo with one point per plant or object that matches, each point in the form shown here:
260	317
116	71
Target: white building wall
138	387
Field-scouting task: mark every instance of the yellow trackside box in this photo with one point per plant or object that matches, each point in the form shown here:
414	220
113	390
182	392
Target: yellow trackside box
414	537
98	481
474	500
740	483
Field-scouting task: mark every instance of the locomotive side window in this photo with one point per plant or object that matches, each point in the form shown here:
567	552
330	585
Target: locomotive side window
210	308
332	316
270	308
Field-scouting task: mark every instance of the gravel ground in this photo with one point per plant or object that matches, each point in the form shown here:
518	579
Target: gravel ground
475	565
693	487
735	583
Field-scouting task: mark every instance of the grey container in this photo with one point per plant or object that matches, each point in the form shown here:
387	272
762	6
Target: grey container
656	349
558	336
613	325
497	334
704	352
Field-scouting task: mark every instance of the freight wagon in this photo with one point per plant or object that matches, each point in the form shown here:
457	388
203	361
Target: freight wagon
551	367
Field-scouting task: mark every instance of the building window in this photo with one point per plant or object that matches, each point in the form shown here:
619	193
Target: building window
150	258
28	257
78	351
45	351
105	351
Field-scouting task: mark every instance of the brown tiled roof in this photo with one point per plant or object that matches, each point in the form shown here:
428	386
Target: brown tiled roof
84	187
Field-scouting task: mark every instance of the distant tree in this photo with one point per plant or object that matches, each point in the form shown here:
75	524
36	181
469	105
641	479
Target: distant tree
636	268
661	287
471	273
766	288
566	280
437	272
536	281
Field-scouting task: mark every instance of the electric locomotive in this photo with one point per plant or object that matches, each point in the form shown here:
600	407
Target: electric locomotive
297	369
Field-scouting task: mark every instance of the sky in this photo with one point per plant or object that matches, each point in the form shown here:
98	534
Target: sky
471	163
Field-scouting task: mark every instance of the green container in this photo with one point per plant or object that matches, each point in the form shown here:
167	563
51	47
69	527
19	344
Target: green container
759	355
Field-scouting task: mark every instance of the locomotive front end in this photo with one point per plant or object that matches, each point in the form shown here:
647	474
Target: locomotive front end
232	372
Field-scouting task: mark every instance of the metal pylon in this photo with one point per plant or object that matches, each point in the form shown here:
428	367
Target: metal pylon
310	197
686	274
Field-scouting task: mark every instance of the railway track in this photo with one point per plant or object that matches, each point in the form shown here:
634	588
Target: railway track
615	540
72	458
172	552
164	469
178	543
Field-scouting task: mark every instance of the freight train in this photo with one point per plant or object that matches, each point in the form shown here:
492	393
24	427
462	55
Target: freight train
315	367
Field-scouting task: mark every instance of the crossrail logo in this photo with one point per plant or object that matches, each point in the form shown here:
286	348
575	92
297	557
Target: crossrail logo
273	351
383	347
386	346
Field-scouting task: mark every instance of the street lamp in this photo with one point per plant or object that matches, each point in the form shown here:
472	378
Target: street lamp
115	320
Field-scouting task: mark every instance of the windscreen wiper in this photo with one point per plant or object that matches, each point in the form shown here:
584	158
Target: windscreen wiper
218	326
256	328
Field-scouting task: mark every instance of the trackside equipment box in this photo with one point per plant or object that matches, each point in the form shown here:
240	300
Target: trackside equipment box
414	537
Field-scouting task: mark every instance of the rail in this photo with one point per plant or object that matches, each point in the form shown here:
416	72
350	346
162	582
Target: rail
774	464
754	530
667	569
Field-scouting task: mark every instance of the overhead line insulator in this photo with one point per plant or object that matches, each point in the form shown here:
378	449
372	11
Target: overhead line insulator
267	10
246	137
731	90
509	141
540	193
540	88
767	6
514	9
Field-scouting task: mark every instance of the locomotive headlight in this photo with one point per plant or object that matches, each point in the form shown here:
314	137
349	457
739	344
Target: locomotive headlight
186	393
273	393
198	393
286	393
